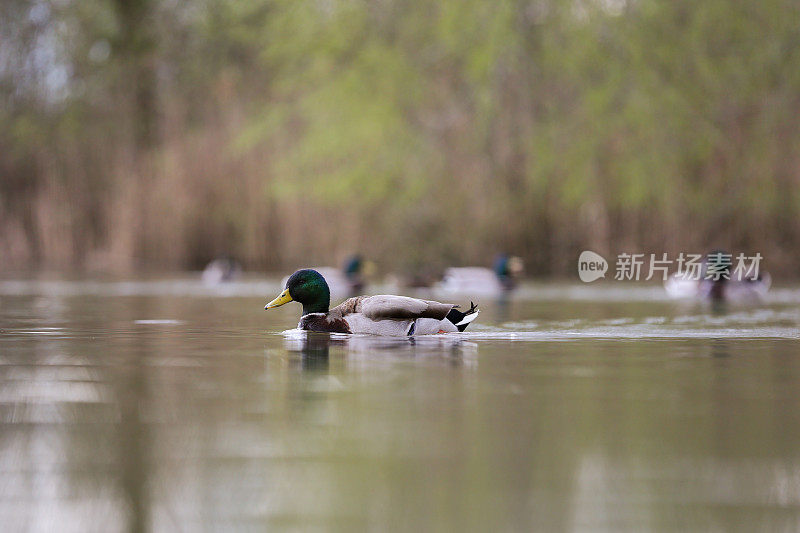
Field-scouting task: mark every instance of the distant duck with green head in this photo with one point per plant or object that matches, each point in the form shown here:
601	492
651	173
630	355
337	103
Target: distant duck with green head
501	278
382	314
352	269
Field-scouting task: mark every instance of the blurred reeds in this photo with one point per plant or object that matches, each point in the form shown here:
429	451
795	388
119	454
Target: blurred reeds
143	134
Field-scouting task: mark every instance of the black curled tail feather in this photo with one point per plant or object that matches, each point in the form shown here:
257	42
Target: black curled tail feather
455	316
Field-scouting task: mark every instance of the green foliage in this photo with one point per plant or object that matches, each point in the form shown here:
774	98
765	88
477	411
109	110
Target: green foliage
545	126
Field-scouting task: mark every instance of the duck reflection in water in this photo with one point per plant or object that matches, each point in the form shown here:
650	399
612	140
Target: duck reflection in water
720	349
314	347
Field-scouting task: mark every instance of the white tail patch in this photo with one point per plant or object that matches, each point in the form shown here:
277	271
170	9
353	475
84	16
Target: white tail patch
469	318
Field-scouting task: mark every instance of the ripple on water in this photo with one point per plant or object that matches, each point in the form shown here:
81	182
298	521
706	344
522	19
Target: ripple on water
645	332
755	323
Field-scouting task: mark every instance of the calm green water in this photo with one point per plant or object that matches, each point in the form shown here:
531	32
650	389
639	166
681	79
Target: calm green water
169	406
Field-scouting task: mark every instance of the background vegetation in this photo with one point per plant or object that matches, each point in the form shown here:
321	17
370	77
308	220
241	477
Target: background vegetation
158	133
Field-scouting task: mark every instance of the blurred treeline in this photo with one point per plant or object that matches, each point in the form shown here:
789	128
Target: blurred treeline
160	133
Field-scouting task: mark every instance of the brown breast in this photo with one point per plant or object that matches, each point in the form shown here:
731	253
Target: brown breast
321	322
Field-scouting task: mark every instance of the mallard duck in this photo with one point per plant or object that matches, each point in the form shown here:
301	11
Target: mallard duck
382	314
716	283
502	277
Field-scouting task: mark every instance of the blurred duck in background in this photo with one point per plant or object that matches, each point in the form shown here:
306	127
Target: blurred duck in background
350	280
352	269
717	283
222	269
501	278
417	276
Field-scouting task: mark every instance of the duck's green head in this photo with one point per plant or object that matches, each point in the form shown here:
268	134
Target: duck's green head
506	266
352	265
307	287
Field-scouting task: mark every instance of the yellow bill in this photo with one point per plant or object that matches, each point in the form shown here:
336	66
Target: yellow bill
284	298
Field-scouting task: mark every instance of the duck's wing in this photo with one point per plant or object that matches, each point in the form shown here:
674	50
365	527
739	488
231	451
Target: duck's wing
387	306
359	323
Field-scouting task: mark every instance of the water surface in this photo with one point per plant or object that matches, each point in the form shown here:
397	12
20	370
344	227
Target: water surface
167	405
